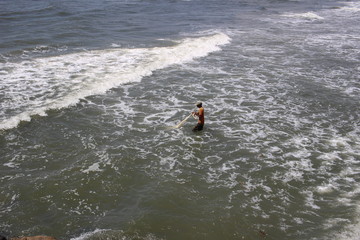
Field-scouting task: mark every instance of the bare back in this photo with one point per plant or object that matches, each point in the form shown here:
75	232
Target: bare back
201	115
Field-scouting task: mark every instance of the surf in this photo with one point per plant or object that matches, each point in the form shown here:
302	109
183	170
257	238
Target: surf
33	87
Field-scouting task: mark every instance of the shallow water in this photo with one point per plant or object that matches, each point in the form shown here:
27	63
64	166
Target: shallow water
85	148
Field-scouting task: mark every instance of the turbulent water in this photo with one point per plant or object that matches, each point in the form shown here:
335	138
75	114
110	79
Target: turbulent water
89	91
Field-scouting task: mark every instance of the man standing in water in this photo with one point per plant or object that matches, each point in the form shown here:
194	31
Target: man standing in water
200	114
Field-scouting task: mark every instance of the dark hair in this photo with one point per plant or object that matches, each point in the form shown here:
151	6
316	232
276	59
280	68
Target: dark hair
199	105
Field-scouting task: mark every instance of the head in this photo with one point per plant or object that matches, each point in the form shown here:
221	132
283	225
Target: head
199	104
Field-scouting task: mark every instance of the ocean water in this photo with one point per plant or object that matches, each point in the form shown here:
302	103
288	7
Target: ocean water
89	91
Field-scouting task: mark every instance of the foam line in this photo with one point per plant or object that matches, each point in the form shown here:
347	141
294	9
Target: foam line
36	86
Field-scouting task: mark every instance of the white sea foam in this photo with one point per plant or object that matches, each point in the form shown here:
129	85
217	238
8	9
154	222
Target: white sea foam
329	157
339	142
113	234
93	168
351	7
325	189
168	164
88	234
307	16
309	198
34	86
10	165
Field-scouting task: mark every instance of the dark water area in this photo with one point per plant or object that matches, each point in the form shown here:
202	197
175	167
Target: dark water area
90	91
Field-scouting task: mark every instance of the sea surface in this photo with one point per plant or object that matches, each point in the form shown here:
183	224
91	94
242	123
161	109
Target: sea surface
90	91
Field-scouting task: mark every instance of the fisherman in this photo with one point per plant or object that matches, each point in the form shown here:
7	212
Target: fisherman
200	113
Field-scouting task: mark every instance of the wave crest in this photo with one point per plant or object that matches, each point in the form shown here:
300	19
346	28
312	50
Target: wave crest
35	86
